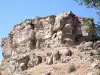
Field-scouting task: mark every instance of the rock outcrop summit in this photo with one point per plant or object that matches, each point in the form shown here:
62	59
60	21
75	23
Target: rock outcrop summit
52	45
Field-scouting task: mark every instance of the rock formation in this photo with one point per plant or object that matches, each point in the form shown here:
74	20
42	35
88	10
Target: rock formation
50	41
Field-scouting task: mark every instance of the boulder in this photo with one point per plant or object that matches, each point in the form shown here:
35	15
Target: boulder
93	73
85	46
49	59
64	52
47	73
56	57
95	52
96	45
86	55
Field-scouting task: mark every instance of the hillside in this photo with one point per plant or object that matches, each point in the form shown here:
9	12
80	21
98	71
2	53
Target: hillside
52	45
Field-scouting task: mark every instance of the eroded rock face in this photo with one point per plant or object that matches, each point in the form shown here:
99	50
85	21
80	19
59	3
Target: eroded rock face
23	37
7	48
52	35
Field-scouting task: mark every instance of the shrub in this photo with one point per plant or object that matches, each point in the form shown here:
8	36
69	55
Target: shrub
71	68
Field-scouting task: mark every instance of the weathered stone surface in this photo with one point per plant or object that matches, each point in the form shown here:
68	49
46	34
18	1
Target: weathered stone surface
23	63
24	73
21	32
56	57
51	40
97	66
47	73
7	48
93	73
66	22
96	45
85	46
88	28
95	52
65	50
49	59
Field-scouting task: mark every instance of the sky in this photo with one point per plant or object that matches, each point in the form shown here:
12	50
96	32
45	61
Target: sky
15	11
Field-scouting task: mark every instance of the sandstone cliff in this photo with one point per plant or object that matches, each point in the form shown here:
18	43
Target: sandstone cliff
52	45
